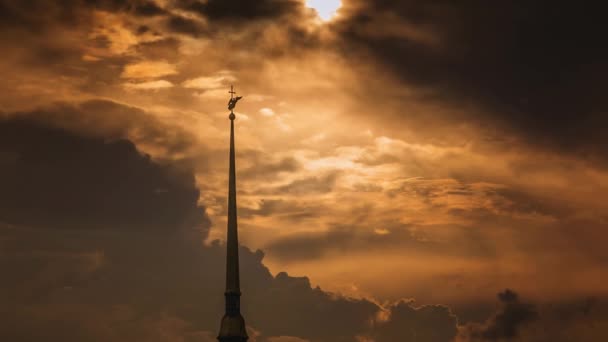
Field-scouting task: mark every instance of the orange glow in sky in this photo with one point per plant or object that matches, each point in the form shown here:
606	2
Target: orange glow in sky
436	150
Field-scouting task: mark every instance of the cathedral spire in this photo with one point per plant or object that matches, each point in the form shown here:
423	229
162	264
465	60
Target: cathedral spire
233	325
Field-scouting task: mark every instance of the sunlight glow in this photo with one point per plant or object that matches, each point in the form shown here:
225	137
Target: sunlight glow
325	8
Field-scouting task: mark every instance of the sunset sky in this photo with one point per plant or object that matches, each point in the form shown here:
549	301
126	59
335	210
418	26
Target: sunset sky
411	170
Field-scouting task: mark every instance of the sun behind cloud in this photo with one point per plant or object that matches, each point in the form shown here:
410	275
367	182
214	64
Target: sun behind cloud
325	8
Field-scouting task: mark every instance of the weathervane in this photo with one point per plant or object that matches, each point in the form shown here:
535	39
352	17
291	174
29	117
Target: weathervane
233	101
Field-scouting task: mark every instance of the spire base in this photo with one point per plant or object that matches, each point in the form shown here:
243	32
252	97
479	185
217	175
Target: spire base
233	329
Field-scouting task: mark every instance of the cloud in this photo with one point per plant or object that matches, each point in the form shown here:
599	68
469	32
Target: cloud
106	119
54	178
519	63
149	69
148	9
238	11
580	319
507	323
345	239
221	80
186	25
151	85
70	12
267	167
267	112
430	323
280	209
309	185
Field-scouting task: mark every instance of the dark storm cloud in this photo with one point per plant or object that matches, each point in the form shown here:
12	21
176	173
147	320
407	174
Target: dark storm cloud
243	10
306	312
538	67
430	323
39	14
54	178
60	283
26	14
111	120
507	322
187	26
147	8
249	21
581	319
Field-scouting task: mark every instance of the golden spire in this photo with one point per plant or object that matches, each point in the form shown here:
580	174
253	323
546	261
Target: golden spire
233	325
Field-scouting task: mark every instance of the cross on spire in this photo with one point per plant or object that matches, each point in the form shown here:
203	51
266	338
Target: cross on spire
232	102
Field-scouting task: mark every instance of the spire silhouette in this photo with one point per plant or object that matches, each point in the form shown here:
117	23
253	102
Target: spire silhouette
233	324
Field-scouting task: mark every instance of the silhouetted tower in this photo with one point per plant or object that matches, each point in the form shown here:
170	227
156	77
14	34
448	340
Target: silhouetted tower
233	324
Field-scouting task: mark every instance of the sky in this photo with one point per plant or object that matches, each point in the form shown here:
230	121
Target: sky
406	170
